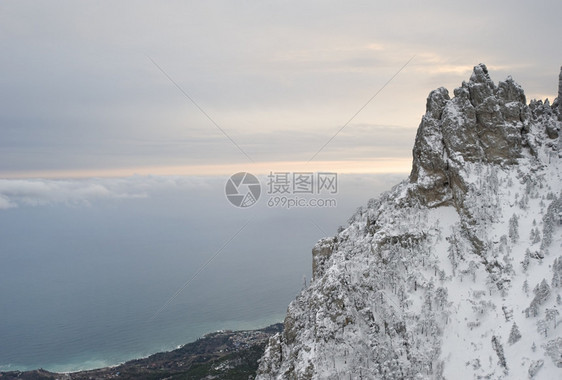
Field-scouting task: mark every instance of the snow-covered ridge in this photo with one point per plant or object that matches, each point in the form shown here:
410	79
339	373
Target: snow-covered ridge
455	272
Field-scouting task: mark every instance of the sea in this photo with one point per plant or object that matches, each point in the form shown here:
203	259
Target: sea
95	272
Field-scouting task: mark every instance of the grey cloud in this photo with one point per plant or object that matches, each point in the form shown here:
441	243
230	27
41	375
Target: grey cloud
79	92
83	192
14	193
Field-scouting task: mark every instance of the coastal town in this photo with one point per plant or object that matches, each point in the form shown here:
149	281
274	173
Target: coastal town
223	354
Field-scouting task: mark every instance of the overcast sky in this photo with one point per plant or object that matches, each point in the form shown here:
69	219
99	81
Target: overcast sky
80	96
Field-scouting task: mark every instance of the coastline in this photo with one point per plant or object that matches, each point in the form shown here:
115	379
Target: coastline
223	354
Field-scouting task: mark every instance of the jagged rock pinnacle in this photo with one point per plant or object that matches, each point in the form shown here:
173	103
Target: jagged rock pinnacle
480	85
481	123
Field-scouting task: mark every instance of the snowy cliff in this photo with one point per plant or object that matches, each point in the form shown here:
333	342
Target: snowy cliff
457	271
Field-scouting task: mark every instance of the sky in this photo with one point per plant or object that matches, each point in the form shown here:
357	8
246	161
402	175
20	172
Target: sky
100	88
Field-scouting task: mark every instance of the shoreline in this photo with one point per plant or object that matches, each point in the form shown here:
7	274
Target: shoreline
96	361
223	354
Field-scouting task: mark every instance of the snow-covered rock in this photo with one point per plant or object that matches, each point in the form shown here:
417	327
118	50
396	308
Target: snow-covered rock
560	96
454	273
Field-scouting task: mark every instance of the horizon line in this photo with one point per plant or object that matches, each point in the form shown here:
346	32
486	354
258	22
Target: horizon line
383	165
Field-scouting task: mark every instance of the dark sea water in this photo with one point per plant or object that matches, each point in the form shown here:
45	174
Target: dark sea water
89	282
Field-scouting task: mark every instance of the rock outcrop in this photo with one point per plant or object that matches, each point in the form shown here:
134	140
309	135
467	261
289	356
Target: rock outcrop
429	280
482	123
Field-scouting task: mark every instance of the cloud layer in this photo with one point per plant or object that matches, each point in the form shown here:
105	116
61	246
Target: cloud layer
78	91
84	192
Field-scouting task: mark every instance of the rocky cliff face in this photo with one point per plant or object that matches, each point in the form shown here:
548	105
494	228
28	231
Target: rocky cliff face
560	96
454	273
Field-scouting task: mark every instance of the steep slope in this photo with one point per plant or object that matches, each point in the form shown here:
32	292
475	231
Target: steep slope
455	272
